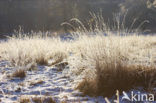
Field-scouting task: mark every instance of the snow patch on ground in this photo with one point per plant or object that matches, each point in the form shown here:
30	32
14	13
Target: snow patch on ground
54	83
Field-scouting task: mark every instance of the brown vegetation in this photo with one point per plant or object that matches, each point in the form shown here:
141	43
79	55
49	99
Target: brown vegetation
36	82
110	78
36	99
19	73
107	63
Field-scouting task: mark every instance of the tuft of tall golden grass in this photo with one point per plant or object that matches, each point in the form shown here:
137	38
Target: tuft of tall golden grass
21	52
107	64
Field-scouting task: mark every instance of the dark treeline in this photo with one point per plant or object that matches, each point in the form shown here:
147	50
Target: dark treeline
47	15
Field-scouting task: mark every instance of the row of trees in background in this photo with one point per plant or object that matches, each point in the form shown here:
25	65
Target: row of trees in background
47	15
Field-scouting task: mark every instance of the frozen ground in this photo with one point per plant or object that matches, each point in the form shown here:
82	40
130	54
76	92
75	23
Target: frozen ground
54	83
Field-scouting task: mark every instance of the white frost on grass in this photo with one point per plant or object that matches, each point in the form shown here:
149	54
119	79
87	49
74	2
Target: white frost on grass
55	84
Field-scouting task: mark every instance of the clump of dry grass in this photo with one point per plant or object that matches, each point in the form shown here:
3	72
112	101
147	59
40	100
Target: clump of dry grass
108	79
60	66
35	99
36	82
115	63
19	73
23	51
24	100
